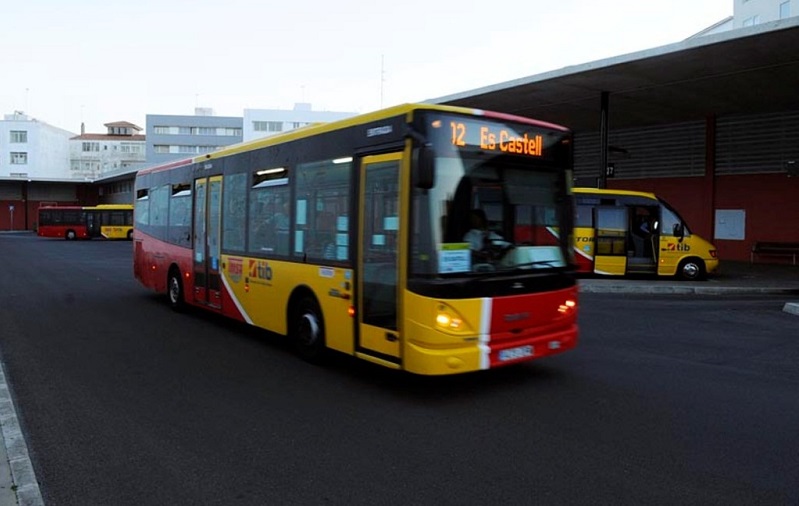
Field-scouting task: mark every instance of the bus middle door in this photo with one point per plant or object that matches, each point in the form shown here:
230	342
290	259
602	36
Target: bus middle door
207	211
378	259
93	224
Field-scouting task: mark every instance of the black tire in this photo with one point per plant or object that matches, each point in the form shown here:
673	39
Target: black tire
174	291
308	331
691	269
71	235
130	235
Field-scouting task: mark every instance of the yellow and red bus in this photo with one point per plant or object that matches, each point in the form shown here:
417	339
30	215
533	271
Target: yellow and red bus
108	221
619	232
351	236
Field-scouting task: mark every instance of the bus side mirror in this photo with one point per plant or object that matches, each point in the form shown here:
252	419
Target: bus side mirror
424	164
679	231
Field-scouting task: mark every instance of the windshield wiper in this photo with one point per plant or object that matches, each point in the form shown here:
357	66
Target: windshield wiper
548	263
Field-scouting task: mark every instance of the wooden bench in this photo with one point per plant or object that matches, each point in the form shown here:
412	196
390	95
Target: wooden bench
771	248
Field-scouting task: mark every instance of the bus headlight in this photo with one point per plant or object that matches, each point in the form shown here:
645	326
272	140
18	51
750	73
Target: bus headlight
447	318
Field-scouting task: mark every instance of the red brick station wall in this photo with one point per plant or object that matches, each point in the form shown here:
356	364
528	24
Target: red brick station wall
85	195
771	203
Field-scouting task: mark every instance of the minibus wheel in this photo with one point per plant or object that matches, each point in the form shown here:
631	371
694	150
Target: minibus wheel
691	269
174	290
308	330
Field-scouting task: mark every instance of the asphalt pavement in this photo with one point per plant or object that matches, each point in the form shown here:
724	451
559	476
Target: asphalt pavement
732	278
18	485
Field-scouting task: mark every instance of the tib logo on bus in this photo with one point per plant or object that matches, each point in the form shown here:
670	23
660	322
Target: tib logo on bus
260	271
673	246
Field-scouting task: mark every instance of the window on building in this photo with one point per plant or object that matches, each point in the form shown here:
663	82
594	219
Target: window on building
130	147
754	20
161	130
161	148
19	136
267	126
19	158
203	131
91	146
785	10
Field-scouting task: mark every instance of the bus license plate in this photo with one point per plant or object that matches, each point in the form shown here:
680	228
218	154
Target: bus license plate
515	353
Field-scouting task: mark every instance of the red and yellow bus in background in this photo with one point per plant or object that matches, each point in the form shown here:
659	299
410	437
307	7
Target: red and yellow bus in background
109	221
354	236
619	232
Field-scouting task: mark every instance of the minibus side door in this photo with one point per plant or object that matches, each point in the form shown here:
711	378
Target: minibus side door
610	243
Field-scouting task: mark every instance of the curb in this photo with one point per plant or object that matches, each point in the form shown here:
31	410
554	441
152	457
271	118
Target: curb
24	484
683	289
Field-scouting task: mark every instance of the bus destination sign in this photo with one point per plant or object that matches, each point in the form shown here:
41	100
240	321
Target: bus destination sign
495	137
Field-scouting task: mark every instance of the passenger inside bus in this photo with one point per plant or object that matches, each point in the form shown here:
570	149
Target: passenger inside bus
643	233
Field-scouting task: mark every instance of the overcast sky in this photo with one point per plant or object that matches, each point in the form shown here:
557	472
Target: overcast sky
100	61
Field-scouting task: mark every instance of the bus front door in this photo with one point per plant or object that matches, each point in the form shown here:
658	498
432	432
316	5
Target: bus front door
378	258
207	211
610	246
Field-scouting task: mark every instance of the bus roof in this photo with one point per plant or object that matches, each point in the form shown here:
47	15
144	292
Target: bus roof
601	191
318	128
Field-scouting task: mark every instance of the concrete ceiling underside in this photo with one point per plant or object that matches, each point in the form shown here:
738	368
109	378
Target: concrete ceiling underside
746	71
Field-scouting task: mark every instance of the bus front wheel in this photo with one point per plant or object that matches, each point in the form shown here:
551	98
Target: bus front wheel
174	291
308	330
691	269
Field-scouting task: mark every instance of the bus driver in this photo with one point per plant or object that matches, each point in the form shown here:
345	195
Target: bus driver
480	238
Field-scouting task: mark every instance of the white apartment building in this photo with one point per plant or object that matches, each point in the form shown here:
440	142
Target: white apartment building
32	150
753	12
260	123
120	149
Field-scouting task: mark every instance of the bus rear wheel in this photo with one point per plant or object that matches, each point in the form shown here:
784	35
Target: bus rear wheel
308	331
691	269
174	291
71	235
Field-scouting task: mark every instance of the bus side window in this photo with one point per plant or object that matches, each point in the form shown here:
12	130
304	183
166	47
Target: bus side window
323	203
585	216
672	225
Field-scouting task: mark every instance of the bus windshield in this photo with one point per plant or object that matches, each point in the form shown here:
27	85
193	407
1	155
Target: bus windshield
492	211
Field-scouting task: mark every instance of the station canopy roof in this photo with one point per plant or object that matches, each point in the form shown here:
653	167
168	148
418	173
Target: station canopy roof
748	70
